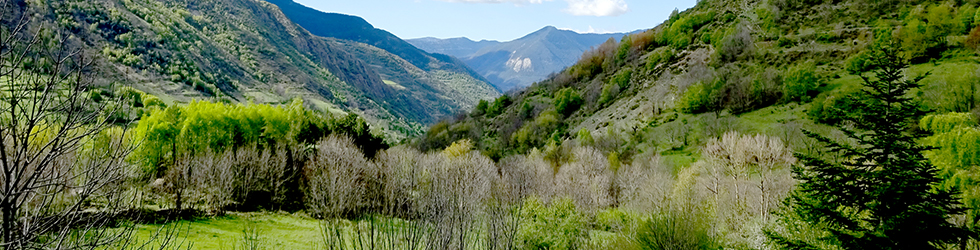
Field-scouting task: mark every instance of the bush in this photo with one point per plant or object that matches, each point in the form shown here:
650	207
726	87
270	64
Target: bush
859	63
622	78
676	230
832	109
659	56
801	83
696	99
609	92
556	226
480	109
737	42
567	101
498	106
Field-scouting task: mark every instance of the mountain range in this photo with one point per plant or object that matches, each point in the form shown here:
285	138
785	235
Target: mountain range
254	51
518	63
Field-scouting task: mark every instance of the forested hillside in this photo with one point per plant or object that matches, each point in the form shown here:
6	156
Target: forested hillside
243	51
726	98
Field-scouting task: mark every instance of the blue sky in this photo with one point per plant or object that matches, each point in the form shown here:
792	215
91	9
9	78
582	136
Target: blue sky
502	20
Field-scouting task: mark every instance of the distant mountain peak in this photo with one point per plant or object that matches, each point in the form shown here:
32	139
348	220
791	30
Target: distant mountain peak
520	62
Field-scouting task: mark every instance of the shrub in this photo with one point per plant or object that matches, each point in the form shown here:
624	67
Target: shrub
567	101
859	63
832	109
676	230
555	226
481	108
498	106
609	92
965	16
622	78
801	83
737	42
696	99
659	56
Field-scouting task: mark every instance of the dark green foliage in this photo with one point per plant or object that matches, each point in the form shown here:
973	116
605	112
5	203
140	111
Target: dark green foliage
567	101
858	63
498	106
801	83
538	133
737	43
480	109
835	108
879	193
622	78
785	42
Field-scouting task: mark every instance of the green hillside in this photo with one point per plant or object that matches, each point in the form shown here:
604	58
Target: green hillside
703	83
248	50
729	62
756	124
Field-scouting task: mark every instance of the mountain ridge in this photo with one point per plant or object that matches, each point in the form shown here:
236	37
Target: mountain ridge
522	61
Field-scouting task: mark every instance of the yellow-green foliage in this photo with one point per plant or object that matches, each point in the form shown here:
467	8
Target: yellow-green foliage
202	126
534	134
696	99
680	32
956	140
555	226
926	29
800	83
659	56
458	148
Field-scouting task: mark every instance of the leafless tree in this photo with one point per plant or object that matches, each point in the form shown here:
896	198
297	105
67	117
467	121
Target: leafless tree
587	179
334	187
56	154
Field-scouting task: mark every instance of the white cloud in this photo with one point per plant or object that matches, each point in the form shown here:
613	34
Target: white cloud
516	2
593	7
591	30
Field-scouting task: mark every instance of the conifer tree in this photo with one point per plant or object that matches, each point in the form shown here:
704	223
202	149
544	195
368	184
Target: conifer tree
878	190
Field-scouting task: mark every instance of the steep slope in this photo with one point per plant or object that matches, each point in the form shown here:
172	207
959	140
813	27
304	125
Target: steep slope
519	63
746	66
359	30
243	50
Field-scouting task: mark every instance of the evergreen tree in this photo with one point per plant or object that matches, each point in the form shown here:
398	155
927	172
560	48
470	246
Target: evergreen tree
878	192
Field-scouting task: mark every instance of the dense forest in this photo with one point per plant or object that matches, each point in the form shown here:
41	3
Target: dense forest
732	125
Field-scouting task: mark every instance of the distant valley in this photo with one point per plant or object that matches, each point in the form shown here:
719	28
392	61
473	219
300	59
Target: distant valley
521	62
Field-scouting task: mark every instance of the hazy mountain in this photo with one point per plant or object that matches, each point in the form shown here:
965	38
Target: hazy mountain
248	50
459	47
520	62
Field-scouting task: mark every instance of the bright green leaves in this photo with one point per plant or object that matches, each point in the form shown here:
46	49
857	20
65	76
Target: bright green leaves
201	126
801	83
956	142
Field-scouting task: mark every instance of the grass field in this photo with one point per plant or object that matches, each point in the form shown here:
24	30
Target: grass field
233	231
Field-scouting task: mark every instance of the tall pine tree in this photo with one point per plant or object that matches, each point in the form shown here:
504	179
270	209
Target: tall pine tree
878	192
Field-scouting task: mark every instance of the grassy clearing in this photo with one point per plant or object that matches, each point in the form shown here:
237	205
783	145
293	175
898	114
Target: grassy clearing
267	230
